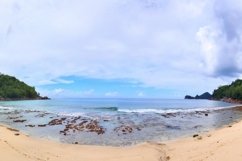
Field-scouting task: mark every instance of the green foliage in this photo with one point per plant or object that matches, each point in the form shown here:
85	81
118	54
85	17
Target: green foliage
234	90
12	88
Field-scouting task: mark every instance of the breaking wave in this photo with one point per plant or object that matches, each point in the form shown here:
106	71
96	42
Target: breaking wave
164	111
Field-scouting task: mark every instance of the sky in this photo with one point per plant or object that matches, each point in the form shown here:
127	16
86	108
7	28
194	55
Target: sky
121	48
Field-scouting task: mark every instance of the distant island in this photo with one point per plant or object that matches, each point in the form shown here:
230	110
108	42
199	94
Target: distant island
229	93
13	89
205	95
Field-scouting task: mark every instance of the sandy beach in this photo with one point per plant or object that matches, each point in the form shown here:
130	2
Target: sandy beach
19	147
220	145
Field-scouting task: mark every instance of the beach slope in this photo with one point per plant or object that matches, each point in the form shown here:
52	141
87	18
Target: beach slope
16	146
219	145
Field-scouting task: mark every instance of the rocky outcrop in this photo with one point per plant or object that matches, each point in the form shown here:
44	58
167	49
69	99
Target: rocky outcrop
205	95
44	98
231	100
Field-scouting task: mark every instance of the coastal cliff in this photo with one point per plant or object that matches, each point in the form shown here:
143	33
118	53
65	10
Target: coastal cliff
13	89
231	93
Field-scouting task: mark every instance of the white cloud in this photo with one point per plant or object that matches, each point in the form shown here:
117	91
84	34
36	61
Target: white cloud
221	40
54	81
66	93
63	81
154	42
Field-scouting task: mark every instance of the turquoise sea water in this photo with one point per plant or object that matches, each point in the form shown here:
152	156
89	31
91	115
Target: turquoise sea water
117	121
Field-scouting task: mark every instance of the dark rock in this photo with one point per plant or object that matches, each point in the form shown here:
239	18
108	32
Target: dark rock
138	128
168	115
42	115
19	121
45	98
29	125
168	158
74	126
56	122
189	97
43	125
94	127
206	114
195	135
124	129
32	111
171	114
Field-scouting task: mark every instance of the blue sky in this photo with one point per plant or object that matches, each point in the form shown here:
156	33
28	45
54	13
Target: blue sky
95	88
128	48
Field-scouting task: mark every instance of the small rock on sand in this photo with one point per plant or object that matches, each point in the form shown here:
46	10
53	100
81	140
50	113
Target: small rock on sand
195	135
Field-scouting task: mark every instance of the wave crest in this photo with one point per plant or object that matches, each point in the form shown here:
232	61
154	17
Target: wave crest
164	111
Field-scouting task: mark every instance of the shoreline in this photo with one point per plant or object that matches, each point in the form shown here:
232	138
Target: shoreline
219	144
25	99
92	131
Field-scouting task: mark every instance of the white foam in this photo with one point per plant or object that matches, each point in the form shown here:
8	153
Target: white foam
74	114
6	107
164	111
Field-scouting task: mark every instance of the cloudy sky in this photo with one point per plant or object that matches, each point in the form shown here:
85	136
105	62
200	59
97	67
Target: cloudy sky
121	48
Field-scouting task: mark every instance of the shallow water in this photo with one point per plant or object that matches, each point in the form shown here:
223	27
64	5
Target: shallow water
116	121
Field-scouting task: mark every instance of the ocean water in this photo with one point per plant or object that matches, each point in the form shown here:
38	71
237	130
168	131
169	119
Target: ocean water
116	122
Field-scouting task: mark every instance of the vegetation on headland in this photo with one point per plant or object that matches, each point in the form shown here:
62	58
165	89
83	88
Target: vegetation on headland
13	89
232	91
228	93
